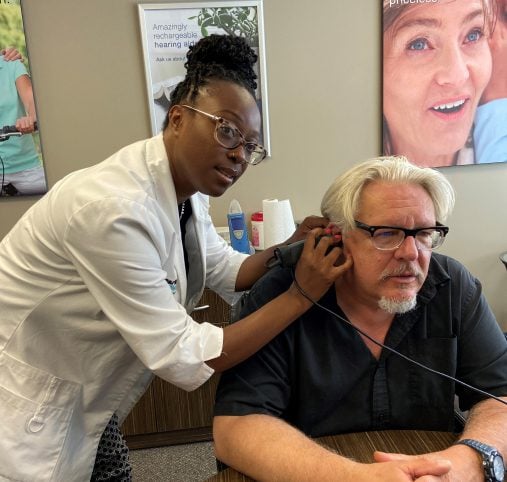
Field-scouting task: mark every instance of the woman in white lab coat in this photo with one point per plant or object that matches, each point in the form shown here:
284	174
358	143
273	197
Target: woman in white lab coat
98	277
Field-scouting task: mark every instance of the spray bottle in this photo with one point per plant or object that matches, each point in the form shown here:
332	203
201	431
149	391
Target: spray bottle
237	228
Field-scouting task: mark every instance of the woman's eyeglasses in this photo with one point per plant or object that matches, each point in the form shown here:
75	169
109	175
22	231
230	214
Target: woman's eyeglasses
230	137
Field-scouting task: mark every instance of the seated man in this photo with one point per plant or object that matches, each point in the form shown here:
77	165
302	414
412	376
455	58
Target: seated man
324	375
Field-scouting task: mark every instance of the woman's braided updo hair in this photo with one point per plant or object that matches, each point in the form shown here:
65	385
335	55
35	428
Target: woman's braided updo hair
217	57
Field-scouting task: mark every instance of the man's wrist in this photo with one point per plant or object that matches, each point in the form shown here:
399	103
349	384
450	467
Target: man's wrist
490	459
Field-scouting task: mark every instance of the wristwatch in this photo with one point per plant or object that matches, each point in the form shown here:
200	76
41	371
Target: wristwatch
492	460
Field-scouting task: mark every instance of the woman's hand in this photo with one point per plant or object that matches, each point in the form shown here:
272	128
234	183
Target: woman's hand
309	223
317	269
257	264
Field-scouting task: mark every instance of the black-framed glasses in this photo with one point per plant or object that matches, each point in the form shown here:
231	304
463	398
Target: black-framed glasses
230	137
388	238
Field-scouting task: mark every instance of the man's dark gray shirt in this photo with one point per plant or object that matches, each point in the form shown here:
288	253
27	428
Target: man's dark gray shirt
319	376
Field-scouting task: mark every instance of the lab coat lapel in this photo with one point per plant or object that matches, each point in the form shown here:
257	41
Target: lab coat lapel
158	165
196	246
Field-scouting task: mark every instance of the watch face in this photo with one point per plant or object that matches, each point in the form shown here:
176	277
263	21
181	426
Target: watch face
498	468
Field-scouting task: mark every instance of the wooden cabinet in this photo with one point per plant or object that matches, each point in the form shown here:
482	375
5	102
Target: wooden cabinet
167	415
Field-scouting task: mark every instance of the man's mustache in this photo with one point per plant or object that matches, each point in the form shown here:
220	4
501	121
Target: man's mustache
404	269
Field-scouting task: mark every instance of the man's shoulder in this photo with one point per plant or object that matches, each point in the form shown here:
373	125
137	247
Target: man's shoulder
269	286
447	277
443	267
276	279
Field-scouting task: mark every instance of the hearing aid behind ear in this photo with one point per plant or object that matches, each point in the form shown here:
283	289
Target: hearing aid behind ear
288	255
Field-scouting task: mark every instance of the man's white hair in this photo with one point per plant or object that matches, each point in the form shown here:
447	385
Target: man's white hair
341	201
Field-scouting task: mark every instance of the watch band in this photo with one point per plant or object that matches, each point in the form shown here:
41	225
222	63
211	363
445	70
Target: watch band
479	446
491	459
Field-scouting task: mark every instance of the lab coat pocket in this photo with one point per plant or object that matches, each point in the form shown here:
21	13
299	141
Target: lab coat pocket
36	409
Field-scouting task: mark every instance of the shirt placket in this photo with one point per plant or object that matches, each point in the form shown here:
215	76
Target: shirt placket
380	397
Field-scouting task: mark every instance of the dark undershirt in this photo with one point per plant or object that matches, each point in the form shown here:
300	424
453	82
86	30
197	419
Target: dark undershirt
183	223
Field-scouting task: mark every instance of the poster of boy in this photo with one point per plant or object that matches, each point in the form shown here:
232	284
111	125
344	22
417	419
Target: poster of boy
21	168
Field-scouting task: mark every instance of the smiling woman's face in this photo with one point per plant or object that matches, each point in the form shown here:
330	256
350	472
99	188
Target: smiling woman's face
437	63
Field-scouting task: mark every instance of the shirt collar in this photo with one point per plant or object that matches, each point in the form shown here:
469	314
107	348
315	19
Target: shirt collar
436	277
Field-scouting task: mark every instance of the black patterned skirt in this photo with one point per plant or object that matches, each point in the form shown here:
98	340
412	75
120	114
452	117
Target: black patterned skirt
112	460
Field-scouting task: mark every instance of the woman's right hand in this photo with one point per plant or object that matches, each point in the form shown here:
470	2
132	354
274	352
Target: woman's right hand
316	271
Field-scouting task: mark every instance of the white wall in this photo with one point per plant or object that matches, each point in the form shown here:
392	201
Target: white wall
323	75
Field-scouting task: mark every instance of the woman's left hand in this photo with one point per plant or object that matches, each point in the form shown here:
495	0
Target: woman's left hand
309	223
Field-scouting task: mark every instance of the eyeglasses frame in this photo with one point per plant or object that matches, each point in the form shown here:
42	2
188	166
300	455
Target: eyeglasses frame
408	232
220	120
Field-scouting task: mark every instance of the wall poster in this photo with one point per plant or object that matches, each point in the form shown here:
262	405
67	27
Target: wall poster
445	81
21	163
168	30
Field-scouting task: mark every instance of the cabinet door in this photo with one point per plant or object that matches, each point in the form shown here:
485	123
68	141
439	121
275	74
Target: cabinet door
168	415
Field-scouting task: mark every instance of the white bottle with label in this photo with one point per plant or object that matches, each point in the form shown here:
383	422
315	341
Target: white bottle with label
257	230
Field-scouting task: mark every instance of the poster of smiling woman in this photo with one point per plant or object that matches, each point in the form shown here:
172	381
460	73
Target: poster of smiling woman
21	169
168	30
445	81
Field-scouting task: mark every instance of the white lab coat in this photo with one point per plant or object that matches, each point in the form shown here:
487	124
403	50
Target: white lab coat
88	314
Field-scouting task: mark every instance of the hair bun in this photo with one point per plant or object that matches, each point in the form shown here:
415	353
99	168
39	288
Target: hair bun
216	57
230	52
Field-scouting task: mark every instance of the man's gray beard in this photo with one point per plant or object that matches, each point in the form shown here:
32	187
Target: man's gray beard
394	306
